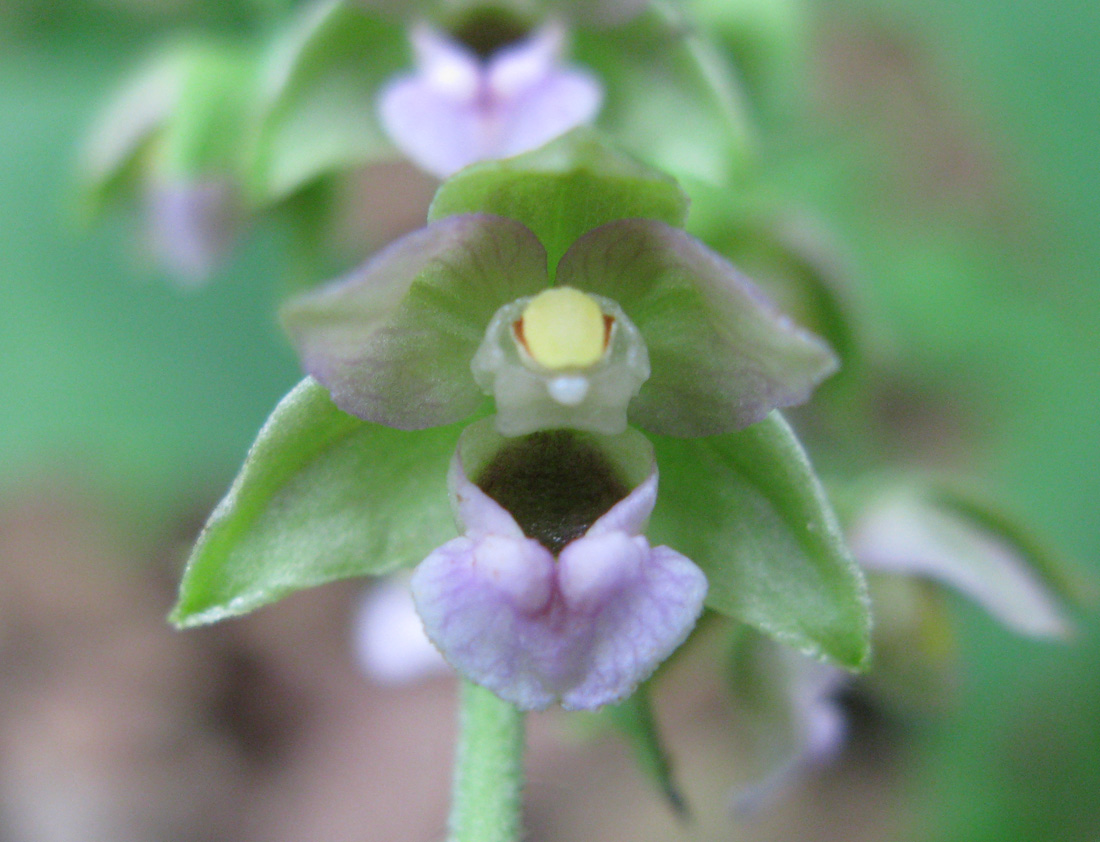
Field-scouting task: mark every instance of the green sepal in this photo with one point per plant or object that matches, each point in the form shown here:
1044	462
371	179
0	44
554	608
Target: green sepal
766	39
671	97
749	510
635	721
320	111
321	496
210	124
790	258
125	129
184	115
763	680
563	189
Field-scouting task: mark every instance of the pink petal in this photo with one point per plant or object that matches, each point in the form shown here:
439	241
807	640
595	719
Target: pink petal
439	134
447	66
562	101
525	64
389	640
476	607
633	605
584	632
478	513
630	514
191	226
455	110
534	97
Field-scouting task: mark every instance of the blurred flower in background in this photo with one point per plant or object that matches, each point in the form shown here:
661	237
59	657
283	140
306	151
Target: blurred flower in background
458	108
174	136
213	133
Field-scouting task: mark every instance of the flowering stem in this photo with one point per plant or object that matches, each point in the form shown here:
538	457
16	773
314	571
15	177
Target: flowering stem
488	780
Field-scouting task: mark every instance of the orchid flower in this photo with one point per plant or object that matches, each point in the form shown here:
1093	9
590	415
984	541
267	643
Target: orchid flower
170	139
553	592
388	639
916	543
555	618
542	619
483	81
458	108
489	80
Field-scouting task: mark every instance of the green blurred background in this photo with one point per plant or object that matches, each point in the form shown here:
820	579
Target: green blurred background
119	384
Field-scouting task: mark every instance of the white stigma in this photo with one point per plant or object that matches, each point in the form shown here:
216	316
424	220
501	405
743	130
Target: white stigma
568	391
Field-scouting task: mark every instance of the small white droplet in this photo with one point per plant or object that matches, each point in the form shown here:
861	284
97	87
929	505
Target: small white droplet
569	391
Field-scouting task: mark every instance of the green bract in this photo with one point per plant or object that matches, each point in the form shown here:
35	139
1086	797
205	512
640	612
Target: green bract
321	496
747	508
182	116
672	99
635	721
319	114
564	189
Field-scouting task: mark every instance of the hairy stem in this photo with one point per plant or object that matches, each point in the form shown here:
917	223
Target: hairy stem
488	780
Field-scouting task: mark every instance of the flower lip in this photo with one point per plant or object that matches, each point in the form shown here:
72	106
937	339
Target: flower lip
582	626
458	106
554	486
486	31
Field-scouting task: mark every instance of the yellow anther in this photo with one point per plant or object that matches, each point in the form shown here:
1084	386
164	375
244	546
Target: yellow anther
563	328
